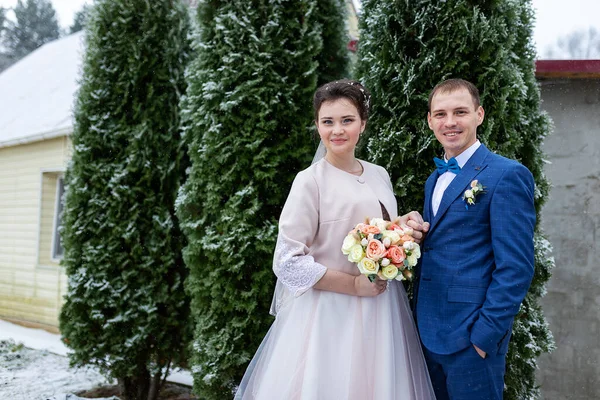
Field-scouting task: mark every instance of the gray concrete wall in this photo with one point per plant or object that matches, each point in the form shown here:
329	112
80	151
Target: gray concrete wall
571	220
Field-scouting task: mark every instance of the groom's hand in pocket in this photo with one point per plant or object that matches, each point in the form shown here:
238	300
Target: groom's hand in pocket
481	353
416	222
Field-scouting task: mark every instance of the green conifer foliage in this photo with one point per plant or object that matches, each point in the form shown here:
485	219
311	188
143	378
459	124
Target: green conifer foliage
334	58
126	310
2	19
79	18
406	48
246	117
35	24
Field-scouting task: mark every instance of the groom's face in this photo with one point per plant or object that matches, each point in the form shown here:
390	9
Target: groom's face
454	119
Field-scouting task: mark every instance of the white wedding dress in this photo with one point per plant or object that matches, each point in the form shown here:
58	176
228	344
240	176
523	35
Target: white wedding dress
325	345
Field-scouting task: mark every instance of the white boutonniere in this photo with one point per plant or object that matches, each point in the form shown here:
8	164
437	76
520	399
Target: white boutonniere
470	195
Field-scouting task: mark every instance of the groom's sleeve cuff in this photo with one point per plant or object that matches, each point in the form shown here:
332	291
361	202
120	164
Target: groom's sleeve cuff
485	338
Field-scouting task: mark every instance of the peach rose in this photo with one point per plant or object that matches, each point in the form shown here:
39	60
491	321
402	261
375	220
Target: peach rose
359	227
375	249
407	238
396	254
394	227
369	229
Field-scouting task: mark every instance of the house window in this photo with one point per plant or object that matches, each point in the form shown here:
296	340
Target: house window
57	248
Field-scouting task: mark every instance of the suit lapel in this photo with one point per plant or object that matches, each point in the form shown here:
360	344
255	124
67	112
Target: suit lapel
429	186
457	187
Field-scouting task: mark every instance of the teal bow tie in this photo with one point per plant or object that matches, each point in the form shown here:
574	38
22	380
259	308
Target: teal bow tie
443	166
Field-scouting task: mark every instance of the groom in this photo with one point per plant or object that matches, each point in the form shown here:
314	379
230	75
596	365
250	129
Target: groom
477	258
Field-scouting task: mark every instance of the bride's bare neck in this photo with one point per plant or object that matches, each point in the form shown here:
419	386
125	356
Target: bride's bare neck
346	163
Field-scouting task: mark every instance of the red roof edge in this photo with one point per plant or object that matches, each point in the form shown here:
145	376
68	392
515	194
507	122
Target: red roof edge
352	45
571	69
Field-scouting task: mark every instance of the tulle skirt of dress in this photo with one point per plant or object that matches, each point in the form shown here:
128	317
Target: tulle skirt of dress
330	346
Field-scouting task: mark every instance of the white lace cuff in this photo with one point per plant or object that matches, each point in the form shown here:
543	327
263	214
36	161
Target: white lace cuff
294	269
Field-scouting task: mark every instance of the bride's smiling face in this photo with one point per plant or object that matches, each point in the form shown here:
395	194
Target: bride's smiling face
339	125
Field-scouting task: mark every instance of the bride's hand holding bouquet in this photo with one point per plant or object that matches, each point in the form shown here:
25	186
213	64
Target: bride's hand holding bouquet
382	249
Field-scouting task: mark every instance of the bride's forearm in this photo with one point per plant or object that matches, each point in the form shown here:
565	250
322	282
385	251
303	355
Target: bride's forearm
341	282
337	281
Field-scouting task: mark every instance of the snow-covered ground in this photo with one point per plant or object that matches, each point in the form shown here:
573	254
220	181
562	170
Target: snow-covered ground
28	374
34	365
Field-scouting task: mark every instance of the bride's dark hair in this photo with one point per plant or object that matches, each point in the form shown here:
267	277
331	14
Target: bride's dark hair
348	89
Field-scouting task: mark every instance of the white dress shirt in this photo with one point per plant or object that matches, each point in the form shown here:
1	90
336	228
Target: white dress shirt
447	177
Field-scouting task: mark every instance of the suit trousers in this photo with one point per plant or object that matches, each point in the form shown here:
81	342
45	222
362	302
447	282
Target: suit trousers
465	375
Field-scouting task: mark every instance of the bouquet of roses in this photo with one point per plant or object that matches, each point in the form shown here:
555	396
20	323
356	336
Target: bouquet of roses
382	248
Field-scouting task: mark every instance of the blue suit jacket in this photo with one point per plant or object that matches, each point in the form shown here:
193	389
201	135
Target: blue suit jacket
477	263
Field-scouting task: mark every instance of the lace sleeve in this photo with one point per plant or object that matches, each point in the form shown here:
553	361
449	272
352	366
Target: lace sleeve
293	265
297	271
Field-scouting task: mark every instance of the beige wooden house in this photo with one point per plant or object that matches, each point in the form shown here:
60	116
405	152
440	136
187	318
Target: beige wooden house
352	20
36	100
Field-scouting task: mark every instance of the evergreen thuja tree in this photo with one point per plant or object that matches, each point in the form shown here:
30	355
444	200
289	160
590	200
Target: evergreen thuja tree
126	310
246	117
407	48
80	18
2	19
333	59
35	24
5	59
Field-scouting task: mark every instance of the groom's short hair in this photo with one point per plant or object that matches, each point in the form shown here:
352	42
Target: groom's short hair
451	85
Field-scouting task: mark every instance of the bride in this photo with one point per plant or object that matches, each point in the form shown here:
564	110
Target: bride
336	335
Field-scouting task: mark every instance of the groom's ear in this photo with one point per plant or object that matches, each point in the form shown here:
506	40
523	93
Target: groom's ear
480	115
429	120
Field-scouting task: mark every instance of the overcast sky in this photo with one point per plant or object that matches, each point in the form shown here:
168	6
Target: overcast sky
65	9
554	18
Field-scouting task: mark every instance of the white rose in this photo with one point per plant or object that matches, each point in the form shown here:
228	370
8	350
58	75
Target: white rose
385	262
379	223
408	245
364	242
412	260
416	251
394	237
349	241
390	272
468	194
368	266
386	242
356	253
